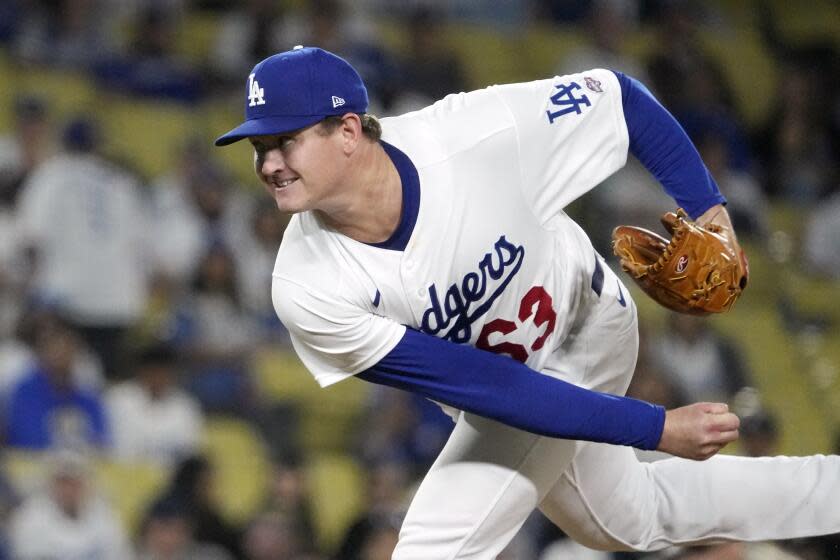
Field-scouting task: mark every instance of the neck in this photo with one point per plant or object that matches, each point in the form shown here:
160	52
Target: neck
371	211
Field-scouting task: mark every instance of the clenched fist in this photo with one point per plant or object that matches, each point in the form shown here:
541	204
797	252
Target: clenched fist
698	431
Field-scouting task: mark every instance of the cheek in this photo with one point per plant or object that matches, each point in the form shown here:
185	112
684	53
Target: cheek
258	164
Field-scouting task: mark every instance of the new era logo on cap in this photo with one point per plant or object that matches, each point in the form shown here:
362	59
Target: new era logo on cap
337	101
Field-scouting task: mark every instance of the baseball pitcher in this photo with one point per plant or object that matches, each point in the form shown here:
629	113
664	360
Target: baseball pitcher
431	252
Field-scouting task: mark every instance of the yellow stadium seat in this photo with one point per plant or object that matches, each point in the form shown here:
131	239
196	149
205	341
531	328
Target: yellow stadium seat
241	463
328	416
67	92
749	68
488	57
280	376
8	75
545	47
146	133
27	470
336	485
196	34
131	488
217	118
820	21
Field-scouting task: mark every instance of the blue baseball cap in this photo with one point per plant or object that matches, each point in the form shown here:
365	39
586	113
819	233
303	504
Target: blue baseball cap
297	88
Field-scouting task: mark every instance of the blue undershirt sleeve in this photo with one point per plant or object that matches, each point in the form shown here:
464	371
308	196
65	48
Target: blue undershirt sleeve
663	147
505	390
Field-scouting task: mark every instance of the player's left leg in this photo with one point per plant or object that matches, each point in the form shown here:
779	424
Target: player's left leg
608	500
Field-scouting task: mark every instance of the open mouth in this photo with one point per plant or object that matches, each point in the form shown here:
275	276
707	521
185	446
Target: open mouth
284	183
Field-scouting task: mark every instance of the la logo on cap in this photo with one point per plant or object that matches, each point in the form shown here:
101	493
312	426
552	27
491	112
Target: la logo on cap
255	92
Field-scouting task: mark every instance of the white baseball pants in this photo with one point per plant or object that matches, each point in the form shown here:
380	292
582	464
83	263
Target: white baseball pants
490	477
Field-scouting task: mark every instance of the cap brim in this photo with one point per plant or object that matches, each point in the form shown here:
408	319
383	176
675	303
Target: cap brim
267	126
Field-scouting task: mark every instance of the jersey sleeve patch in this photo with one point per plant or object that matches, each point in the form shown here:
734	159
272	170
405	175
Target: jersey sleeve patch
567	101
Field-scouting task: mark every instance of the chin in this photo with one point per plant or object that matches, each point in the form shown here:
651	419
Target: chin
288	205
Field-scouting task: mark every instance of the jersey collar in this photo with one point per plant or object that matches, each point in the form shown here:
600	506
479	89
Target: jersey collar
410	181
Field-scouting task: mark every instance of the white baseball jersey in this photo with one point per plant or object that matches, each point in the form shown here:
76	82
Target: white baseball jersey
492	261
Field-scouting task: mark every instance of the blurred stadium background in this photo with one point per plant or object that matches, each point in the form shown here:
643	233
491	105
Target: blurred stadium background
152	406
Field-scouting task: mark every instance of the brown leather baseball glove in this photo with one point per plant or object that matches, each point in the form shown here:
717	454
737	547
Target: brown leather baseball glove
698	271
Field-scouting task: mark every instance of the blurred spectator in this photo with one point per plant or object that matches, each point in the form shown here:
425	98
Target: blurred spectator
650	383
68	520
179	237
691	84
25	147
794	143
67	33
255	257
800	140
9	501
679	55
84	220
822	238
430	69
20	152
168	533
381	540
247	34
159	321
193	207
563	11
700	364
18	353
403	427
271	536
11	16
290	500
387	489
157	421
217	337
125	12
151	67
372	537
192	491
747	203
11	280
759	434
47	407
606	29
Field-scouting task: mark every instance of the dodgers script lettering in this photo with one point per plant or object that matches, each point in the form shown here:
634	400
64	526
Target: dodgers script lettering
466	301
